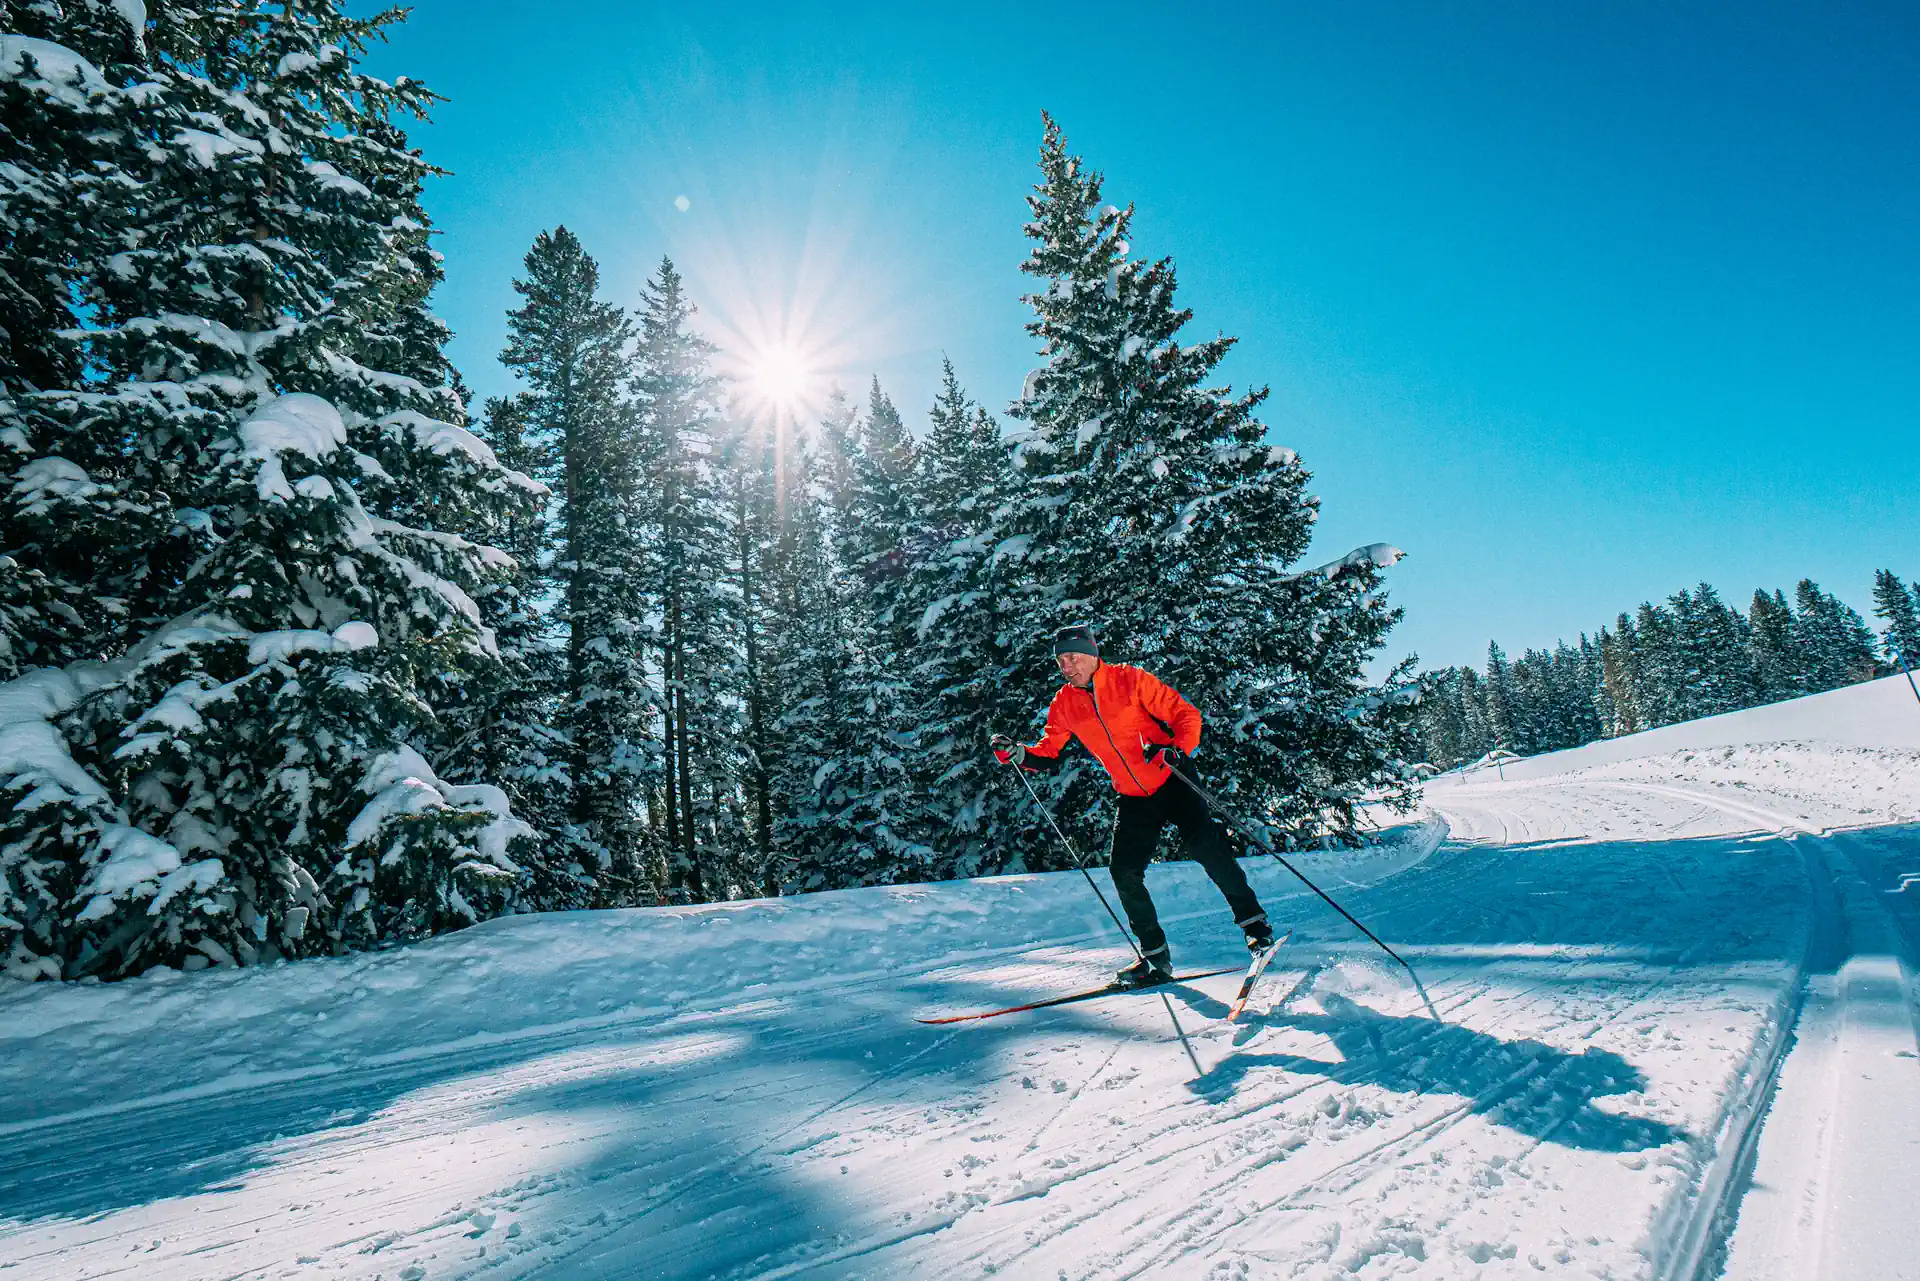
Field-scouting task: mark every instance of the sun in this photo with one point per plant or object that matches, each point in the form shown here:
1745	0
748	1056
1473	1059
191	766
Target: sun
780	378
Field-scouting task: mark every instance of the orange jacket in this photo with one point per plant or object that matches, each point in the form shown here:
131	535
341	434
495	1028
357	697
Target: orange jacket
1125	710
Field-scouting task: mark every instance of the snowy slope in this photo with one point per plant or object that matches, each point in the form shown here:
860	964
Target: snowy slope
1619	939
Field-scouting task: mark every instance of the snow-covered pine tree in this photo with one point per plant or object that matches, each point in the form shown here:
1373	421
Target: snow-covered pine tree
1835	645
69	150
1476	725
1452	728
1772	650
571	349
1660	673
1153	507
512	730
1598	715
962	663
1894	605
806	732
1500	699
1711	640
683	437
786	661
870	814
1619	671
228	774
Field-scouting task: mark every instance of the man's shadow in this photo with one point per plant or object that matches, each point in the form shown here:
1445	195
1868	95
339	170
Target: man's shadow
1524	1085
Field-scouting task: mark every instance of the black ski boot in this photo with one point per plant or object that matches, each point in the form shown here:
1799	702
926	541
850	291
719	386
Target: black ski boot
1155	967
1259	933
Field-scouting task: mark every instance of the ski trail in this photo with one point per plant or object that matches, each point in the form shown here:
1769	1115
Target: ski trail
1613	959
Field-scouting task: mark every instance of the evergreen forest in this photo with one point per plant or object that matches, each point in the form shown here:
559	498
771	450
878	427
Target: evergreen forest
1692	655
306	652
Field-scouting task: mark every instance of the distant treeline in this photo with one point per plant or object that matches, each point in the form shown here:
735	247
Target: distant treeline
1691	656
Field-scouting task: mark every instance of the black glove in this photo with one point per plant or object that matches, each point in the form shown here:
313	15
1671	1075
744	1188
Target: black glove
1006	751
1162	753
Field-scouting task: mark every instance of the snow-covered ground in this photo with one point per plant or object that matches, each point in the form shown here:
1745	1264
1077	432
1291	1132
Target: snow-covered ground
1677	1037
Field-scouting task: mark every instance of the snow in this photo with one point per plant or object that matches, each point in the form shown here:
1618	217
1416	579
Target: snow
207	148
278	647
42	482
133	859
1658	961
355	635
331	179
134	14
297	423
402	783
58	71
1378	555
32	752
446	440
1015	548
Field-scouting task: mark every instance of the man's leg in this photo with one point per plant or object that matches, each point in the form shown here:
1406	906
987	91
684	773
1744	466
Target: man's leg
1136	830
1206	845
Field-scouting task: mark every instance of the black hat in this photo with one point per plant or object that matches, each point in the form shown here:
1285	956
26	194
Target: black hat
1075	640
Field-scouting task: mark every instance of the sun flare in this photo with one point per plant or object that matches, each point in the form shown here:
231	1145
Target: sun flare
780	378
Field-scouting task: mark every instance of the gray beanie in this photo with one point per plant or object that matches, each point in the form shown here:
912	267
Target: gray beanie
1075	640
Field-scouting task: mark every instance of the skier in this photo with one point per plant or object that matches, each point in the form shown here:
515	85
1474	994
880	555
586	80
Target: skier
1130	720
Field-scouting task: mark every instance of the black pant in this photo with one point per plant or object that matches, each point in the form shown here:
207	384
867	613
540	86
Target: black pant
1136	832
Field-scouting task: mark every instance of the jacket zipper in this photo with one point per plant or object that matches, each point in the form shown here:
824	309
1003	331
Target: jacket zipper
1110	743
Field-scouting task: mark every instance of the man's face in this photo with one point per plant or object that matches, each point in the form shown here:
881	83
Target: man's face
1077	668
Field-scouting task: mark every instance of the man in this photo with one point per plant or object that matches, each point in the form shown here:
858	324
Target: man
1129	719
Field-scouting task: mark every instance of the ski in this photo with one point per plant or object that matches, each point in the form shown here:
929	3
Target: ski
1254	971
1111	989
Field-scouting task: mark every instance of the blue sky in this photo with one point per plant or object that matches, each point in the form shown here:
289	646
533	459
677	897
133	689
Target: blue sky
1578	303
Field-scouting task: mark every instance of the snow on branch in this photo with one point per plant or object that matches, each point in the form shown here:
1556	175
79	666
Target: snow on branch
403	784
1373	555
58	72
296	423
447	440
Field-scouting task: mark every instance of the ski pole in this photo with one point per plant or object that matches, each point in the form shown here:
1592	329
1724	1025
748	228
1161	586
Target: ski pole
1213	804
1080	863
1909	671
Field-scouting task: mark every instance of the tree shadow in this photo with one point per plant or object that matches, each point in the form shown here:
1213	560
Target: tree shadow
1524	1085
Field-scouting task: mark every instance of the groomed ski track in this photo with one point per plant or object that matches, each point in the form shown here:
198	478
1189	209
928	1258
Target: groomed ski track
1678	1042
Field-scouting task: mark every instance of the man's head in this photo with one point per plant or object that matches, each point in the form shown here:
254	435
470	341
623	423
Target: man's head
1077	653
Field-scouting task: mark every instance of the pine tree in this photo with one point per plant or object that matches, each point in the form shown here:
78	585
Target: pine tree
232	734
964	669
571	349
684	439
805	733
1834	643
1772	649
1500	699
514	709
1150	498
1712	644
870	817
1895	605
1660	665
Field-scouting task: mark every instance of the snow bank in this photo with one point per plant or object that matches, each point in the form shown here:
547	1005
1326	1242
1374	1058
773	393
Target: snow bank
1882	713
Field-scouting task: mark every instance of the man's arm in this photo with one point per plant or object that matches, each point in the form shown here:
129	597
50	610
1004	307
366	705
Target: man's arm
1167	707
1045	754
